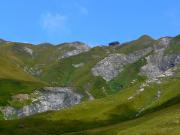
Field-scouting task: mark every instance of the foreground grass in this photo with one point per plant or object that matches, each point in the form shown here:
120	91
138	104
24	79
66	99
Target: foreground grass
10	87
164	122
102	113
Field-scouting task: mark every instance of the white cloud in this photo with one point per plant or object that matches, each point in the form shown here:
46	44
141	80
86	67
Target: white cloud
59	24
81	9
84	10
54	23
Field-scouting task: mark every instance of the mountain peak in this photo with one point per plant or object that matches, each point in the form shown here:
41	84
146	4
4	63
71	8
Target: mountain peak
177	37
145	37
2	40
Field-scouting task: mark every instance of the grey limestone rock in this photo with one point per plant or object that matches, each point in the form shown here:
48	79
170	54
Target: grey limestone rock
159	62
111	66
78	48
49	98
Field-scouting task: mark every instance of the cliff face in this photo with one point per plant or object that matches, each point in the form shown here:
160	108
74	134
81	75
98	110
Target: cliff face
112	65
46	99
159	62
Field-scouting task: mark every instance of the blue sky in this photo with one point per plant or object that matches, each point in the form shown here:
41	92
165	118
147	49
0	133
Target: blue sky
91	21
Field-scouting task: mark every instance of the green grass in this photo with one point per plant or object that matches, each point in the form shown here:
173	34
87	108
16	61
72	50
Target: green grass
101	114
13	79
9	88
174	46
1	116
19	104
130	73
136	45
164	122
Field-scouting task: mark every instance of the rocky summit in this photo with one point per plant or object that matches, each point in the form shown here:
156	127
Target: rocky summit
71	88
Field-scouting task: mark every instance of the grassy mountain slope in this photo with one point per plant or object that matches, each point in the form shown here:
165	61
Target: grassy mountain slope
15	61
154	110
63	73
13	79
102	115
164	122
143	42
175	46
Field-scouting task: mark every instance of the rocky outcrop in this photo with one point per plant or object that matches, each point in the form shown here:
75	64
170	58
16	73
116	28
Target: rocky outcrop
78	65
112	65
159	62
46	99
28	50
90	96
20	97
36	70
23	49
76	48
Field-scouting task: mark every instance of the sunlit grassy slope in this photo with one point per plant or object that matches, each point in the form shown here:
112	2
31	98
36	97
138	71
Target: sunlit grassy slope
163	122
175	46
107	115
13	79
